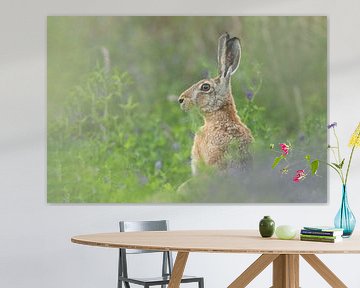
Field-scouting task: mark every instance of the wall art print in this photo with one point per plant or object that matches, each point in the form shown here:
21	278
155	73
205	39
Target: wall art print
186	109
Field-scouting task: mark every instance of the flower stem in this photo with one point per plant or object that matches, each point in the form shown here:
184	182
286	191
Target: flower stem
333	152
348	167
337	142
337	171
339	160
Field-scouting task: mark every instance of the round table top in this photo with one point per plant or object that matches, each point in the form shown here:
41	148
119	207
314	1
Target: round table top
217	241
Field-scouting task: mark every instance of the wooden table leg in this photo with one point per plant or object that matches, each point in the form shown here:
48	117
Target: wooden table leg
293	264
324	271
178	270
253	270
286	271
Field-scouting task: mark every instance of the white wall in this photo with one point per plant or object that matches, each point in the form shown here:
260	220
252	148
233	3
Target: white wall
35	248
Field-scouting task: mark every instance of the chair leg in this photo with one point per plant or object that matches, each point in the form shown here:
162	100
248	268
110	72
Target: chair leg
201	283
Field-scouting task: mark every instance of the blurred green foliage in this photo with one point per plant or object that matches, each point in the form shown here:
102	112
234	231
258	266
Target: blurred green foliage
115	130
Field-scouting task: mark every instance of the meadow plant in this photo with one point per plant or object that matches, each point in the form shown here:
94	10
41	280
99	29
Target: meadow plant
312	164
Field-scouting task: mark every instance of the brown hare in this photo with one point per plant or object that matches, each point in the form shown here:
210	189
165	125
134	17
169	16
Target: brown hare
224	141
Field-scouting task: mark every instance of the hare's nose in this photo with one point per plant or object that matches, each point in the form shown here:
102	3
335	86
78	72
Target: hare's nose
181	100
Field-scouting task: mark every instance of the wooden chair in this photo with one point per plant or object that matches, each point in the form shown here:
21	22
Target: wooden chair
167	262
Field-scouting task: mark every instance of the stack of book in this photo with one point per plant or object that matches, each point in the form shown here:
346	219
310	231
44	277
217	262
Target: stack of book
321	234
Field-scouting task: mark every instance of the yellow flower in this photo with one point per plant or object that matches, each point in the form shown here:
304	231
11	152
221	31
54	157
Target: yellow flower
355	137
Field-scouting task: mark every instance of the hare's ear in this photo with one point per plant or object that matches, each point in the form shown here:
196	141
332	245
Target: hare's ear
222	53
232	56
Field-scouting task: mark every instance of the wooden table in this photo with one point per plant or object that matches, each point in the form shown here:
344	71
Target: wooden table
284	254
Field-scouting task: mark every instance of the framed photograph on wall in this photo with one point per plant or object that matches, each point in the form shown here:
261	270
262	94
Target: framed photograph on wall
186	109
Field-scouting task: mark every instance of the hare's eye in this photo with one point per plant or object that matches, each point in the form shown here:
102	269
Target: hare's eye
205	87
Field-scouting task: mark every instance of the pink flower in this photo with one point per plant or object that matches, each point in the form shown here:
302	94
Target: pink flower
284	148
300	175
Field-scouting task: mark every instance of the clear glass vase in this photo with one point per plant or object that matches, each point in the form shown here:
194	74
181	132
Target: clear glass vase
345	219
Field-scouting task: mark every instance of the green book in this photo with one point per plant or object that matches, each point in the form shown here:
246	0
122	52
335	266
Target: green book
325	240
319	236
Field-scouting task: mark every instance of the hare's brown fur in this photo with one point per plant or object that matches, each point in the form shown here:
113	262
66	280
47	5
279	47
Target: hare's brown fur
223	128
212	140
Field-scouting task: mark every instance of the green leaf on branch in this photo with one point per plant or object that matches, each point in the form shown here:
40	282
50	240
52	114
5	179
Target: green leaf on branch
339	166
342	163
277	161
336	165
308	157
314	166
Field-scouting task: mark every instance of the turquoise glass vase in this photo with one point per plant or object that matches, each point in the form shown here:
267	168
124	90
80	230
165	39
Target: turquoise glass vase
345	219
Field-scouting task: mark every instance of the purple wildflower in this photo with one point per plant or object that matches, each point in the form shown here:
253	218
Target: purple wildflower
249	95
332	125
176	146
143	180
158	165
301	137
205	74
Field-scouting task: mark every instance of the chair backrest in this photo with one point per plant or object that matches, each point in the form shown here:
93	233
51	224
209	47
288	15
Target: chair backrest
134	226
